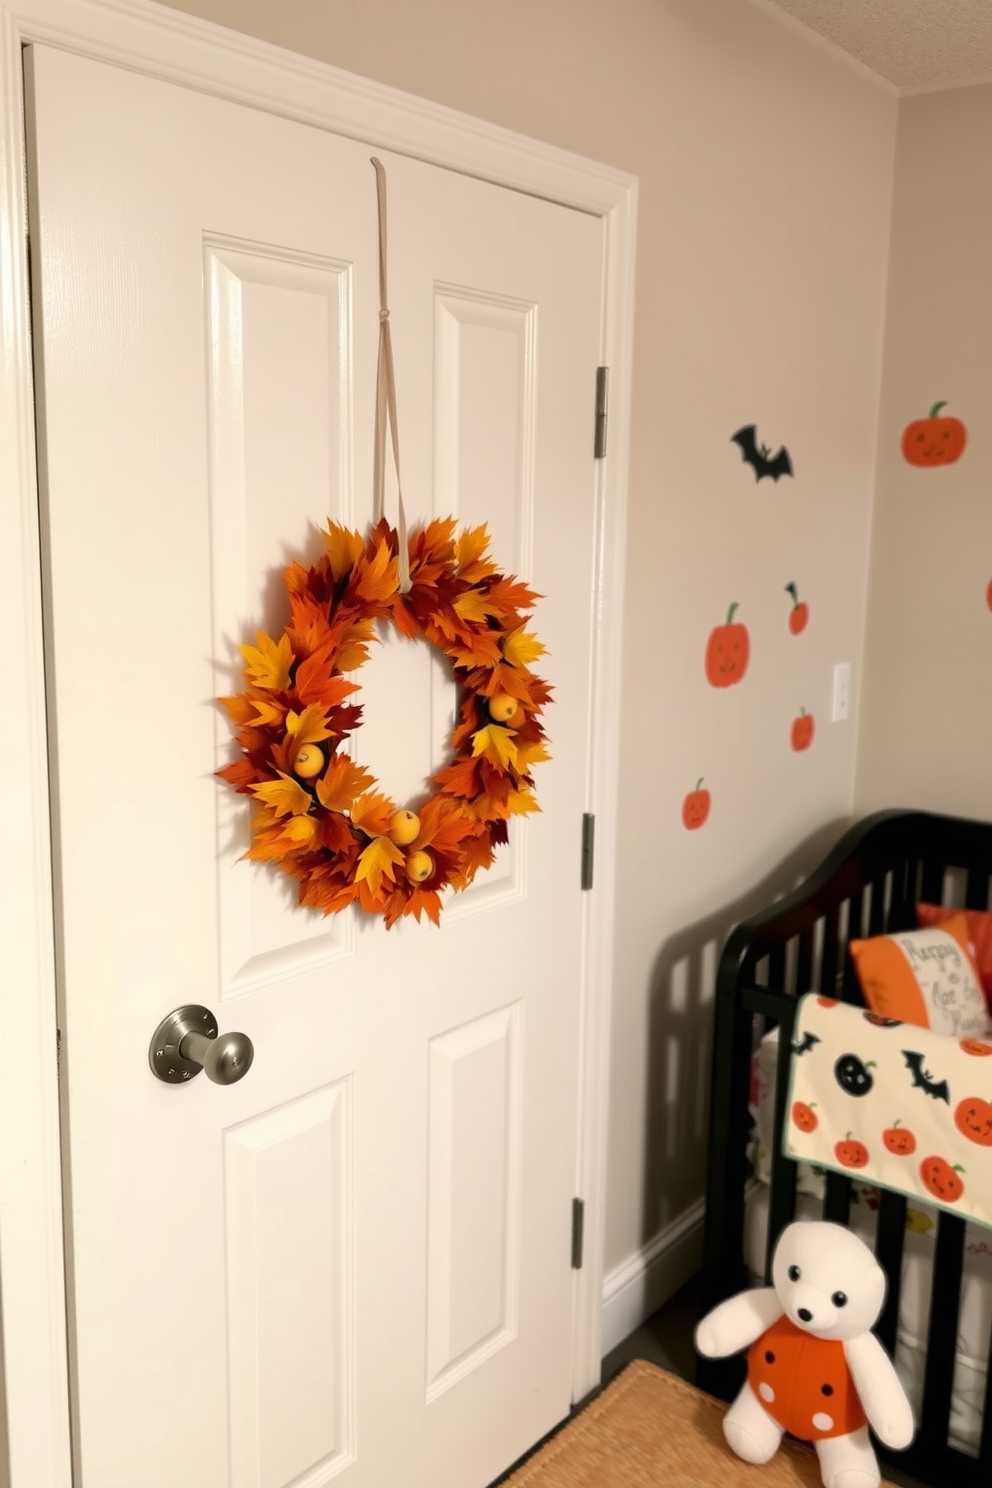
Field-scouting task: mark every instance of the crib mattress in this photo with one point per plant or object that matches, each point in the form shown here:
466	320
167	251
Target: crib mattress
974	1317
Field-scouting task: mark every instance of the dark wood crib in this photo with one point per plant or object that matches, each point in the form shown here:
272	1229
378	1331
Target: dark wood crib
867	885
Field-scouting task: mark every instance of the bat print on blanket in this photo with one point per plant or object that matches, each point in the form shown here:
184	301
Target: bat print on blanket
923	1079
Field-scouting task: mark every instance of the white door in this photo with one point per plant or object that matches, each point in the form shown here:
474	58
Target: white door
353	1264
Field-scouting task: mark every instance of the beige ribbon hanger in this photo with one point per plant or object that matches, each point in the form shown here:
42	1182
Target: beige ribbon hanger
385	399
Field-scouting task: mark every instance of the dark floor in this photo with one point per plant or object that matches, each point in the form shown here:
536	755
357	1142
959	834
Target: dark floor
666	1340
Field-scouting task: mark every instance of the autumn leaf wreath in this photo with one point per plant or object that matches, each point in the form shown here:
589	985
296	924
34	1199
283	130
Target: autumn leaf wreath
322	818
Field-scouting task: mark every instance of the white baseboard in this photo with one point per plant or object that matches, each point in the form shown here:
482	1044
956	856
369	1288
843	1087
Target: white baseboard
645	1282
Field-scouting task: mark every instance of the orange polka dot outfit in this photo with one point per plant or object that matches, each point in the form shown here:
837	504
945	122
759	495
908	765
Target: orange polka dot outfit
804	1383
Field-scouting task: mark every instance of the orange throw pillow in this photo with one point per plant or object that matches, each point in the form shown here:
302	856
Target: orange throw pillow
979	922
925	977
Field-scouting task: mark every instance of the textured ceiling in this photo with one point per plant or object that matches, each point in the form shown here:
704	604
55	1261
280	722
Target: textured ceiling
911	43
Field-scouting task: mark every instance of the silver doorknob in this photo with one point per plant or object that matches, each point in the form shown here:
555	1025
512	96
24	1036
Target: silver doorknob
187	1041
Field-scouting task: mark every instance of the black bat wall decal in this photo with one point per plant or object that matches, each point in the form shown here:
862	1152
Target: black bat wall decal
759	456
923	1079
809	1041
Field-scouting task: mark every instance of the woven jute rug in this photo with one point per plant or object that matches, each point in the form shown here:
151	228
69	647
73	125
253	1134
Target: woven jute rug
650	1429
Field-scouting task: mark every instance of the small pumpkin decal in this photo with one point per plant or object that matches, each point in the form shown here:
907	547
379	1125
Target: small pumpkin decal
935	440
801	735
899	1140
851	1153
940	1179
799	614
696	807
805	1116
976	1047
728	651
973	1119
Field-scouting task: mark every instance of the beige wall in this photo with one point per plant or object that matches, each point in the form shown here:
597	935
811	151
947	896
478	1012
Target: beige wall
765	168
926	737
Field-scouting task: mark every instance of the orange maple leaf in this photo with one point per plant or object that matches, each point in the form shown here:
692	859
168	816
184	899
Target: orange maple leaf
240	773
373	814
510	596
316	682
481	651
460	778
342	783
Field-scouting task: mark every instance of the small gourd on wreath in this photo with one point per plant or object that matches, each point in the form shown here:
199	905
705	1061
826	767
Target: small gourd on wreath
319	816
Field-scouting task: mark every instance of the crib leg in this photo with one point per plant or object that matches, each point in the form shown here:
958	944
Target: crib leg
848	1461
750	1430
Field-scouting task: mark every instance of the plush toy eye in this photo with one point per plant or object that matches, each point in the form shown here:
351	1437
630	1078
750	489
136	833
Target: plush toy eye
839	1299
794	1273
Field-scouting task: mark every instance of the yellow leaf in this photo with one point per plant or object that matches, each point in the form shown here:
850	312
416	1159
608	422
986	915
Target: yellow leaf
472	605
377	862
531	754
308	727
470	554
240	709
267	664
521	648
285	796
300	829
344	549
496	743
267	713
521	803
354	650
378	579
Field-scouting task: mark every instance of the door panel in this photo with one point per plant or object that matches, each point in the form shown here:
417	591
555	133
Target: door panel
352	1265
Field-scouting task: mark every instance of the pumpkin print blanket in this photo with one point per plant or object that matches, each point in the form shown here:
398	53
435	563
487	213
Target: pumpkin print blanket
892	1104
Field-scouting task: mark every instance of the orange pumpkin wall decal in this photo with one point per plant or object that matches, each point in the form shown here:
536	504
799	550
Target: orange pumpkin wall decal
696	808
801	735
728	652
799	614
934	440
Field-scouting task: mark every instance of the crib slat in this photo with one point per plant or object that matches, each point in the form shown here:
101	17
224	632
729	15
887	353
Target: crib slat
942	1333
828	965
804	962
932	881
837	1200
902	915
976	894
889	1239
876	915
782	1204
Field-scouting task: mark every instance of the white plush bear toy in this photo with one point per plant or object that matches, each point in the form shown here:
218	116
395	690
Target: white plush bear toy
815	1369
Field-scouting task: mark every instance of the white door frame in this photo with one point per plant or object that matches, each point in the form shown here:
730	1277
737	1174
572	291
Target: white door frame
167	44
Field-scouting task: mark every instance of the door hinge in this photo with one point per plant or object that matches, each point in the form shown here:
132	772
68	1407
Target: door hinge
588	847
578	1232
602	411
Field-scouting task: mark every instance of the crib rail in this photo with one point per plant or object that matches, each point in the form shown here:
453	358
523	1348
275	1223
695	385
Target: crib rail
868	885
